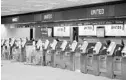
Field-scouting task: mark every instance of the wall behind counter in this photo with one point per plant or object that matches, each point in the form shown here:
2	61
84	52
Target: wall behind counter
9	31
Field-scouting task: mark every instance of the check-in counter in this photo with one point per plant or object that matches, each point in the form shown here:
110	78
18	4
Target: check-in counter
50	53
69	55
124	63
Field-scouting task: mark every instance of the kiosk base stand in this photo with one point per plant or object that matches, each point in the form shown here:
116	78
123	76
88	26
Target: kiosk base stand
124	68
110	73
83	63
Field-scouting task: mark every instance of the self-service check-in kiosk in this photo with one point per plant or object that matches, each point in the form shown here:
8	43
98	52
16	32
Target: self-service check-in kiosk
63	49
93	59
96	53
11	47
69	55
6	50
23	50
113	63
117	62
106	59
30	47
50	53
57	60
77	57
19	50
2	48
83	61
123	76
59	53
102	60
89	58
45	49
38	60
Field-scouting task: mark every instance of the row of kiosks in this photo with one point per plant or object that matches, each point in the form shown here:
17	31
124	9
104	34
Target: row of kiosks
95	58
101	59
13	49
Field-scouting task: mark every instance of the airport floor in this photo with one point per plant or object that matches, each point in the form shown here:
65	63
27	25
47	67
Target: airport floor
19	71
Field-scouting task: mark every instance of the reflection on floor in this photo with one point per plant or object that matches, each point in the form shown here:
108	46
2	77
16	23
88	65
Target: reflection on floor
19	71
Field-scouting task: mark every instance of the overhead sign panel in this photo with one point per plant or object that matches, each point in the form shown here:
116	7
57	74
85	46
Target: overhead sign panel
115	30
87	30
62	31
100	11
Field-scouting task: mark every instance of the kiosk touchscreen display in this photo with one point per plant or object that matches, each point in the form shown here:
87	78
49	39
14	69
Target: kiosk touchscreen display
12	42
23	43
97	47
46	44
2	42
73	46
19	43
63	46
54	44
111	48
84	46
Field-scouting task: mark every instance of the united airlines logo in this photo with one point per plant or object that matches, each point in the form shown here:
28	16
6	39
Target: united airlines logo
97	12
48	16
15	19
89	28
117	27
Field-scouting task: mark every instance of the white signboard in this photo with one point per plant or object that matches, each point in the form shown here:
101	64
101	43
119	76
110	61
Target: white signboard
87	30
100	31
62	31
115	30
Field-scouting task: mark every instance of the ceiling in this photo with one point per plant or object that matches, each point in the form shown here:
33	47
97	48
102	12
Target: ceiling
11	7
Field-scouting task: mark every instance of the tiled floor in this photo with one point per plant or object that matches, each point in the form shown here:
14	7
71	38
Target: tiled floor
19	71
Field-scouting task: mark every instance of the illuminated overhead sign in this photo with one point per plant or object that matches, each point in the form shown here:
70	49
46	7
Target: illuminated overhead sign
48	16
115	30
97	12
15	19
87	30
62	31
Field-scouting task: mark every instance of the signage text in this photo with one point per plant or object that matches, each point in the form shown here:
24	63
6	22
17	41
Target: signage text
97	12
48	16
